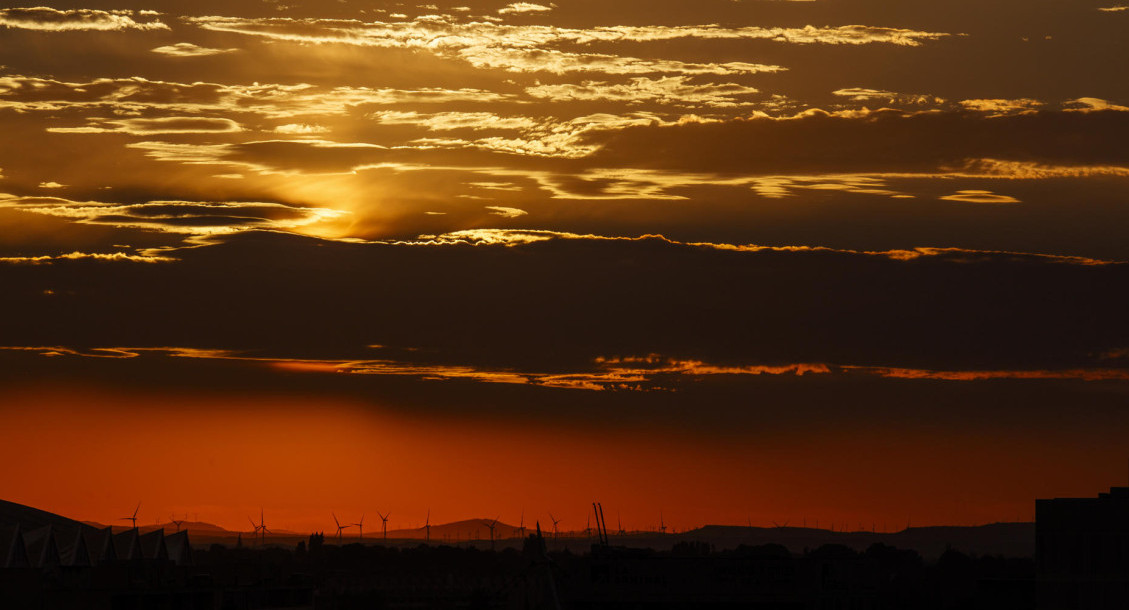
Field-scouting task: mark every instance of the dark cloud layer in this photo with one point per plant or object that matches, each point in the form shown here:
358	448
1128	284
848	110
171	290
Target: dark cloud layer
557	305
885	141
726	409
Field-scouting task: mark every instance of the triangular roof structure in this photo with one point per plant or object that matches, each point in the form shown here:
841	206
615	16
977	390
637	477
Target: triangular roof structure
76	551
101	543
13	548
126	545
179	549
153	545
42	548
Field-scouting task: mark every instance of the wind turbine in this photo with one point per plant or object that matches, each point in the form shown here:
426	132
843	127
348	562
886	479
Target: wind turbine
521	527
619	521
173	520
340	527
555	522
427	526
261	528
491	525
662	524
132	518
361	527
384	526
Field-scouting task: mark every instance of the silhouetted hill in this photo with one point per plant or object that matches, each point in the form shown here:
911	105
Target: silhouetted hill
191	526
1009	539
470	529
194	528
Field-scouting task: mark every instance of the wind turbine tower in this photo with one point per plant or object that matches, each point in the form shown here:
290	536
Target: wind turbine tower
261	528
361	527
384	525
254	532
340	528
133	518
491	525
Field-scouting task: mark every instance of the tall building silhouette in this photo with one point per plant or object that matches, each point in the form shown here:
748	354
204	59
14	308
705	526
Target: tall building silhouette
1082	551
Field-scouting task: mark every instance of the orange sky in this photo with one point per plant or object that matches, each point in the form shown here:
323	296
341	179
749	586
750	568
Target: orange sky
857	261
93	454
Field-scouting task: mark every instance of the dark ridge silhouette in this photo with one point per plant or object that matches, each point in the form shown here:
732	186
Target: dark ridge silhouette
32	518
709	567
1010	539
466	530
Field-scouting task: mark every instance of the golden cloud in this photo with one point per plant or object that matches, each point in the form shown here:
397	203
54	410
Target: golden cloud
187	49
633	373
155	126
979	196
525	7
191	218
1002	107
48	19
113	257
505	212
668	90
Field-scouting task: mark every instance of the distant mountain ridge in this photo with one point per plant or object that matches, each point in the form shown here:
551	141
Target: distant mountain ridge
468	529
200	527
1009	539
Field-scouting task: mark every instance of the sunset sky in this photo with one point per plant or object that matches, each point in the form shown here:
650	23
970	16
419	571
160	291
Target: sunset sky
735	261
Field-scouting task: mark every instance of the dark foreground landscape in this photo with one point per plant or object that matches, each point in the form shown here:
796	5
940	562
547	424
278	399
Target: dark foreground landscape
53	562
1076	556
